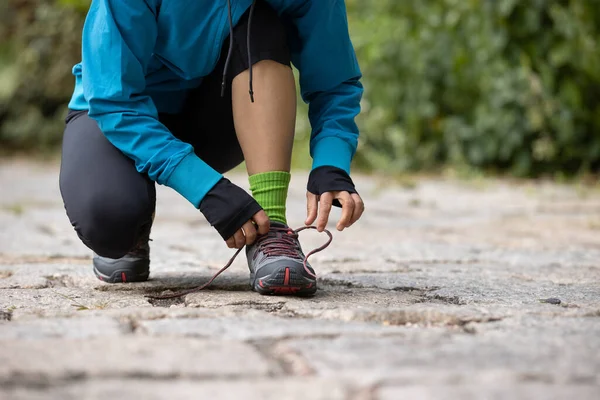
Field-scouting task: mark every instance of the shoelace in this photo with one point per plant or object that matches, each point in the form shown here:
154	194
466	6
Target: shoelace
280	245
272	246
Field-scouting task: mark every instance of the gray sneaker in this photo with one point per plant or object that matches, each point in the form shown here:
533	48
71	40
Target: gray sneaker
132	267
278	266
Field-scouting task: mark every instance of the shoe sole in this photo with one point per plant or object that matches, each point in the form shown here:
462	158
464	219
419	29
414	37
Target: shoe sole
122	276
132	272
284	281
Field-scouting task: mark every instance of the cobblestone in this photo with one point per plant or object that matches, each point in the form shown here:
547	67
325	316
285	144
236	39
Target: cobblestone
438	292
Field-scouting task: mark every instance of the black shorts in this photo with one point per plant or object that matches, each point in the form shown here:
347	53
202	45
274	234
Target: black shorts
206	121
105	197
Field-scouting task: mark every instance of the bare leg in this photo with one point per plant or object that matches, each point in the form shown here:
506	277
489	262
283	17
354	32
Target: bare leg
265	128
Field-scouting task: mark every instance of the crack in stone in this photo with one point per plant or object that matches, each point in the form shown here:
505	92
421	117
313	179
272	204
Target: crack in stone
27	287
595	313
373	272
278	309
560	209
167	302
436	261
59	281
289	362
272	308
404	317
421	292
468	325
454	300
6	259
460	378
172	288
342	260
538	377
414	289
336	283
43	381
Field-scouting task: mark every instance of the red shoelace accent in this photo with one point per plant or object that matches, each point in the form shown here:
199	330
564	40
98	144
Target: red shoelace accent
273	245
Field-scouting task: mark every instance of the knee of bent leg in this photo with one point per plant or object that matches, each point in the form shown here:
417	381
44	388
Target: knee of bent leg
110	225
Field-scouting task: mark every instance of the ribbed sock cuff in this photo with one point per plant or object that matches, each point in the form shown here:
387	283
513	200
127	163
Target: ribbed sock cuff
270	190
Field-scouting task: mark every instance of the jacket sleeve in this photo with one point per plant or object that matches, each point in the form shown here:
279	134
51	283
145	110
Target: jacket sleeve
329	76
118	41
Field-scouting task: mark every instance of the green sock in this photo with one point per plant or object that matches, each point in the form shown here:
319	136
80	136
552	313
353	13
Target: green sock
270	191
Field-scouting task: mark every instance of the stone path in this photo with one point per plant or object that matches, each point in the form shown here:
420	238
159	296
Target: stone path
435	294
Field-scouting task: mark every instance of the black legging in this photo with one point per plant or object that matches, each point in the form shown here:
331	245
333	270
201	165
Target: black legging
106	199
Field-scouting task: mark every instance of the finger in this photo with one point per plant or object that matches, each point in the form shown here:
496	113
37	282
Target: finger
250	232
359	208
312	206
240	239
230	242
324	210
347	203
262	221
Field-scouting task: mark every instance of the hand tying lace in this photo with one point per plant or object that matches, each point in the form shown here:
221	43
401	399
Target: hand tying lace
275	243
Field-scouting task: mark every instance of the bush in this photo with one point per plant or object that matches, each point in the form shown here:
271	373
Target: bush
498	85
503	85
39	44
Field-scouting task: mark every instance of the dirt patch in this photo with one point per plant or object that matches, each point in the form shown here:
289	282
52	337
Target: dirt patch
166	302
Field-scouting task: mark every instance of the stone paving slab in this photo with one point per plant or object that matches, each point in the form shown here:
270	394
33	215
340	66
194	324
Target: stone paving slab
63	302
257	389
476	284
441	291
68	328
50	361
466	392
262	327
517	348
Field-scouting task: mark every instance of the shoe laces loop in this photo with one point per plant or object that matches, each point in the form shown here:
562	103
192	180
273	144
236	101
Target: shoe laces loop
271	242
279	242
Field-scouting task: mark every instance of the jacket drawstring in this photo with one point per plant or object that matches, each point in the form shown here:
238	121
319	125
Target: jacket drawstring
230	51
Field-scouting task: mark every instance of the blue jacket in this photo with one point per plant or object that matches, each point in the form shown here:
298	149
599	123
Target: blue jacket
139	57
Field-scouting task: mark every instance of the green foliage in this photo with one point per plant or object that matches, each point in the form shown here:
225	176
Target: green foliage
494	85
39	44
79	5
506	85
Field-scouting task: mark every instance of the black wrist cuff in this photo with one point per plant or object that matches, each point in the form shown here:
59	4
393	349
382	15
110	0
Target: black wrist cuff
330	179
228	207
